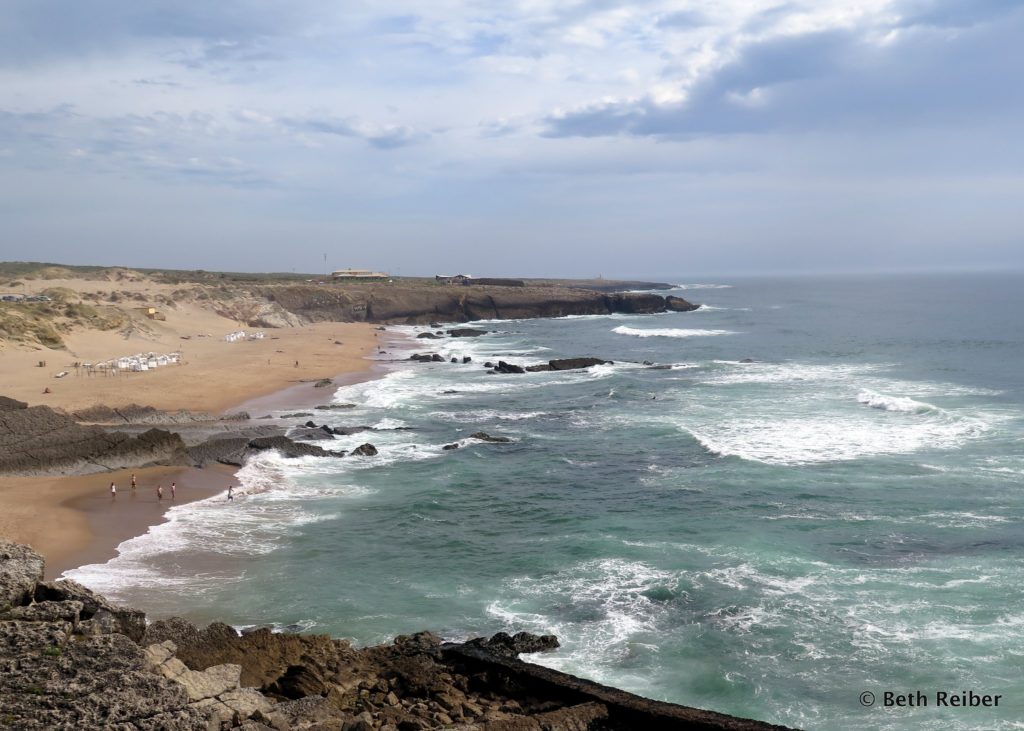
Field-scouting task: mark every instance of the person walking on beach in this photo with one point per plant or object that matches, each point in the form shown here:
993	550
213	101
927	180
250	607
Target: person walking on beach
173	490
133	481
159	492
231	492
113	490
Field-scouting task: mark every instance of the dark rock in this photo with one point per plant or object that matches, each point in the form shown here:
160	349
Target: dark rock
485	437
678	304
297	415
466	332
349	430
427	336
310	435
449	391
435	325
237	416
436	358
331	407
454	359
466	359
365	450
9	404
747	360
488	364
568	364
511	646
504	367
323	383
648	363
311	425
662	367
287	447
450	446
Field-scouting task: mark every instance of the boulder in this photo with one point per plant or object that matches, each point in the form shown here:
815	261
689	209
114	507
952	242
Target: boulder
323	383
466	332
466	359
504	367
485	437
364	450
105	616
427	336
448	447
21	569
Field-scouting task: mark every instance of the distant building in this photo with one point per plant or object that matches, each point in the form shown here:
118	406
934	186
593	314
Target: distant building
453	278
359	275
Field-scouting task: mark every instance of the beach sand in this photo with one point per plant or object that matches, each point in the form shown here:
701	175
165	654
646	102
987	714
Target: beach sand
73	521
214	375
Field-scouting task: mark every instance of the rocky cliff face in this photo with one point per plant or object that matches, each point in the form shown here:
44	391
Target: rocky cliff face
421	304
39	440
71	660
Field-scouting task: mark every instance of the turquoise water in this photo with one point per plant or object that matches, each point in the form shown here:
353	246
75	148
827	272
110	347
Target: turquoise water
766	539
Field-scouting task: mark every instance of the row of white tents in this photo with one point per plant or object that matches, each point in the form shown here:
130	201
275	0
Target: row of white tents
240	335
135	363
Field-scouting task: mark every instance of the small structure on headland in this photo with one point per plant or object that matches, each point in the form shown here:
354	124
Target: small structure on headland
452	278
359	275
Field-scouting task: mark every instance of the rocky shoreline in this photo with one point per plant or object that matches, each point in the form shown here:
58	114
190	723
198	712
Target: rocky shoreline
70	659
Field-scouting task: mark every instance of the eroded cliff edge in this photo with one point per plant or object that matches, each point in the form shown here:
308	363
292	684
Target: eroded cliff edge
400	303
70	659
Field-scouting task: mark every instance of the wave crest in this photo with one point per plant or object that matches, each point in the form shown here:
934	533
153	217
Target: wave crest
668	332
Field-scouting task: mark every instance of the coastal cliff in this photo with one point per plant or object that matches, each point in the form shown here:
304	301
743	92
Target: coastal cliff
70	659
418	304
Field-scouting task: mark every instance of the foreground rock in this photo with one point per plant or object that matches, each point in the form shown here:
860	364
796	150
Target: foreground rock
71	660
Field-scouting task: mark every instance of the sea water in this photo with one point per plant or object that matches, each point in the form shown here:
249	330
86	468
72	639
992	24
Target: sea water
821	495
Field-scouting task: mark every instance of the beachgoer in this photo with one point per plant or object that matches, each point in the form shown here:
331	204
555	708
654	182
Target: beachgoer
173	489
113	490
133	480
159	492
296	364
231	492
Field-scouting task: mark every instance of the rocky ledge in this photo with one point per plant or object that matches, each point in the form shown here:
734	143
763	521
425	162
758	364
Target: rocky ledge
70	659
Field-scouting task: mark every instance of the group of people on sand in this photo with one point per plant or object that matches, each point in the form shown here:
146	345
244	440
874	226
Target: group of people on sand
160	490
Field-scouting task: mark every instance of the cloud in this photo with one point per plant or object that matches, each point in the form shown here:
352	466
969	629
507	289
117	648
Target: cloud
858	78
383	137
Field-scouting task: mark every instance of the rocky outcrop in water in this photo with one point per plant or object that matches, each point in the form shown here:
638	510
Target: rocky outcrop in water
236	450
71	660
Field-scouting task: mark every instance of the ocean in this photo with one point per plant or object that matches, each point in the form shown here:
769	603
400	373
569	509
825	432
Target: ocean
840	513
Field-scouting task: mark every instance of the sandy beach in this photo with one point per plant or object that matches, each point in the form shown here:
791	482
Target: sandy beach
73	521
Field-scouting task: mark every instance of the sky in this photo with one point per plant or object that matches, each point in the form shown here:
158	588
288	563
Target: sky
526	137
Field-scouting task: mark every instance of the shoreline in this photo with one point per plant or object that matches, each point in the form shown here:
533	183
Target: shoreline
72	519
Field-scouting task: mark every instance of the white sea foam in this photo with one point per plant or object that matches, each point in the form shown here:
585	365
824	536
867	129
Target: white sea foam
702	286
599	609
805	439
899	404
670	332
